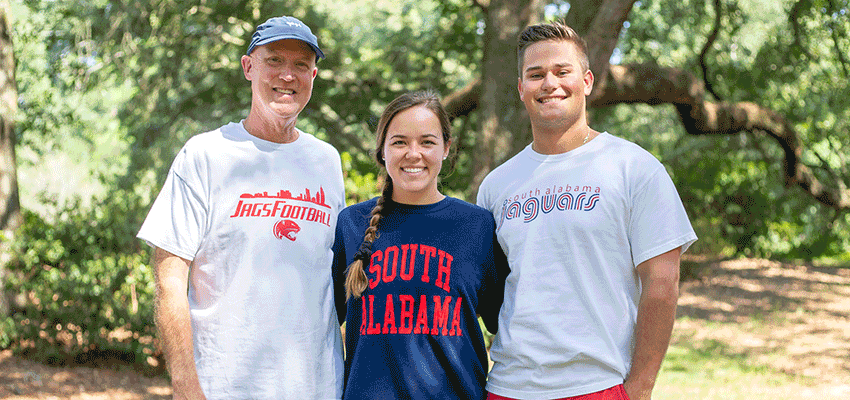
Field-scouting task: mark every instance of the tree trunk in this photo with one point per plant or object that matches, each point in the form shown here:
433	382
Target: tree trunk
600	23
505	127
10	209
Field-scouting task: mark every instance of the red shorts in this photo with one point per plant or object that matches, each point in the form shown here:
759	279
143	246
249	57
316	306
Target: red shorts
613	393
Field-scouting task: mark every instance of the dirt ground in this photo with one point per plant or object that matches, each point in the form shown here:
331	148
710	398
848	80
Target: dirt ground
794	318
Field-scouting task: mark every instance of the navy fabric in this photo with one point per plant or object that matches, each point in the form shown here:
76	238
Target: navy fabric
414	332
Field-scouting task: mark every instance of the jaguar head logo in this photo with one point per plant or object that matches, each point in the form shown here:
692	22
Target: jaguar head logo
286	229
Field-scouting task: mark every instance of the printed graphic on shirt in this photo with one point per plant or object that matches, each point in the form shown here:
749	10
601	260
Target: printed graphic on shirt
436	314
287	208
528	205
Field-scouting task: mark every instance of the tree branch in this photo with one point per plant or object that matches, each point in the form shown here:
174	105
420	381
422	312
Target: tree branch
649	84
643	83
715	32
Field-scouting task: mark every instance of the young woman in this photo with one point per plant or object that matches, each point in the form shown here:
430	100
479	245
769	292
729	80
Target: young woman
418	267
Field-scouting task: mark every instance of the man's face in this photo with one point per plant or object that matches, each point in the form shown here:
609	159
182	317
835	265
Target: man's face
281	75
553	85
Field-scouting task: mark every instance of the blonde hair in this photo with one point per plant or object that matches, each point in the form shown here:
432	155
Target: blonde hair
355	275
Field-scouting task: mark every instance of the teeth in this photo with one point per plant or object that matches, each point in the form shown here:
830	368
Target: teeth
413	170
285	91
548	100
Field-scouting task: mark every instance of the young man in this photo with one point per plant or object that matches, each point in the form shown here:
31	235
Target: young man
244	225
593	229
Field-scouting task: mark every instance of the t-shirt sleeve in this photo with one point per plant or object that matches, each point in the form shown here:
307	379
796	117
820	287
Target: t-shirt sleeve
338	271
493	286
658	220
177	219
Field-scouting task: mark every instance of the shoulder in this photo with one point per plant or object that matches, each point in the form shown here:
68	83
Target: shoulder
505	171
318	144
472	213
358	211
627	151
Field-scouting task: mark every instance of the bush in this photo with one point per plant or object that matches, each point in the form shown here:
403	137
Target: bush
84	288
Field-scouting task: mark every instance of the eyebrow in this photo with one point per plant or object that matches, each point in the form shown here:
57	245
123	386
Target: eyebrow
539	67
403	135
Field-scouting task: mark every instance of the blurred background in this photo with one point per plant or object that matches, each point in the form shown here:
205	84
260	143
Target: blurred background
744	101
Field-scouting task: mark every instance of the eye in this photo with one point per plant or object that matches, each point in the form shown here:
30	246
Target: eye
274	61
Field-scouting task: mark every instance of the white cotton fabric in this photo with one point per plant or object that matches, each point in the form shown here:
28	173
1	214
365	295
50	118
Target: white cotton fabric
583	220
262	307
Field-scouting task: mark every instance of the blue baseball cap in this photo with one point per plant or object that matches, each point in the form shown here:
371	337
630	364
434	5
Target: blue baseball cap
279	28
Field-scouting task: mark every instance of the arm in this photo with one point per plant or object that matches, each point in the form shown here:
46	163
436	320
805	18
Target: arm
174	324
659	277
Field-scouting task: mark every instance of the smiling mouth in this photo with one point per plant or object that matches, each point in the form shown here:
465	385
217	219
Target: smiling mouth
412	170
284	91
548	100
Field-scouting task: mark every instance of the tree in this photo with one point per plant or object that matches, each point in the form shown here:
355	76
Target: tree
600	22
10	210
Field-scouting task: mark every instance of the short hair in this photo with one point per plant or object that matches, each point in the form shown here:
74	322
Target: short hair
558	31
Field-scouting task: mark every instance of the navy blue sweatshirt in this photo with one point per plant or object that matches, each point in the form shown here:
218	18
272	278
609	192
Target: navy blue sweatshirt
414	332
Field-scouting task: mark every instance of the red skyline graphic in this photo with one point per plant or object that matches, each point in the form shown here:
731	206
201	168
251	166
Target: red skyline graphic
318	199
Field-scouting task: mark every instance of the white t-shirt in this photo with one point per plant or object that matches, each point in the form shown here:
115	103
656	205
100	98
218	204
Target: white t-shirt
574	226
257	220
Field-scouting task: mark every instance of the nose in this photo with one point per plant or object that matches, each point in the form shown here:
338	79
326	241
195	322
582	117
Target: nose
286	73
414	151
549	81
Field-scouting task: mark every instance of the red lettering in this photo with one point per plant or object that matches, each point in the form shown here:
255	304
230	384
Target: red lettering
372	328
422	317
246	210
387	276
407	273
238	206
456	331
441	315
429	252
389	316
311	214
444	268
275	208
363	316
405	322
375	268
286	211
266	210
255	212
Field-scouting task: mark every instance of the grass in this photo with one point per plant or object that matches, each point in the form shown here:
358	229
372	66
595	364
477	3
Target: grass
710	370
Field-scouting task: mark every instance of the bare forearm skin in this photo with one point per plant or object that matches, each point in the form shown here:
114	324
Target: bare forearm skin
655	319
174	324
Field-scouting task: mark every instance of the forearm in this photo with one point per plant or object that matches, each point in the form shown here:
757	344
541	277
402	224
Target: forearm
655	319
175	327
654	327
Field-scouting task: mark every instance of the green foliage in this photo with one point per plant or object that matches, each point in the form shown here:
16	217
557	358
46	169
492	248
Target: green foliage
87	287
733	186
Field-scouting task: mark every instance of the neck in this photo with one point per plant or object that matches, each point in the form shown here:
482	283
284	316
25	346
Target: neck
277	130
557	141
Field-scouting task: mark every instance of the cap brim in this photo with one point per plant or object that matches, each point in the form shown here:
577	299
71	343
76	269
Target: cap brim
316	49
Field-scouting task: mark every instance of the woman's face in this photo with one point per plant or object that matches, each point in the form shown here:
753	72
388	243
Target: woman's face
413	151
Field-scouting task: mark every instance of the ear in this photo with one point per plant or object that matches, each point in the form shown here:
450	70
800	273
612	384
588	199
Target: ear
315	72
247	66
519	87
447	149
588	82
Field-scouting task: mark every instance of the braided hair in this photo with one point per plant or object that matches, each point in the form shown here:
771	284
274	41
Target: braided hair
355	276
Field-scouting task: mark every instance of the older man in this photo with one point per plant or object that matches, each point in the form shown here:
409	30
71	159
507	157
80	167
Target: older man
244	225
